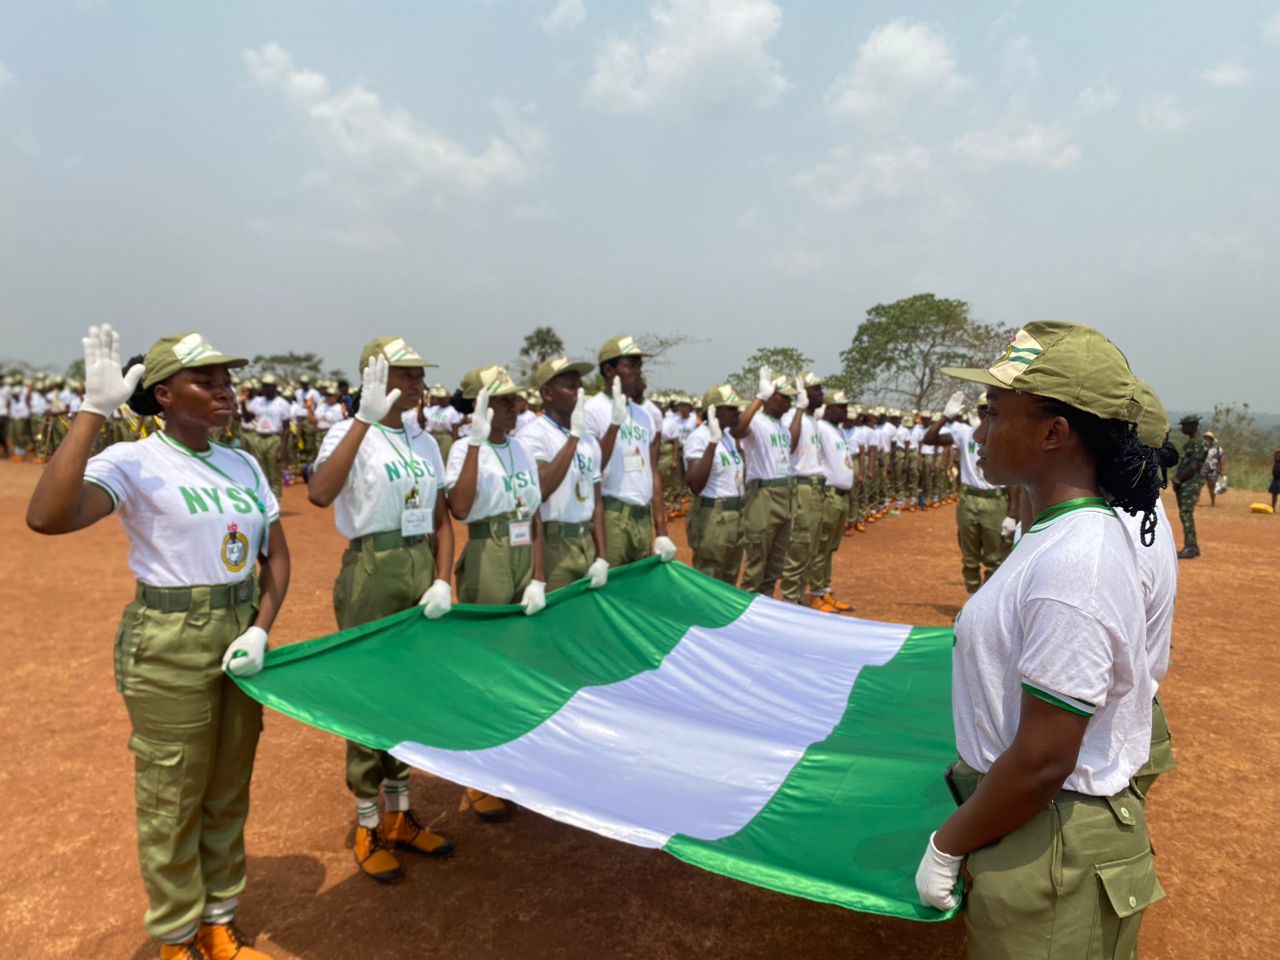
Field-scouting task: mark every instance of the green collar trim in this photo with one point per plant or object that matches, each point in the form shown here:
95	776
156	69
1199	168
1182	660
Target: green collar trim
1058	510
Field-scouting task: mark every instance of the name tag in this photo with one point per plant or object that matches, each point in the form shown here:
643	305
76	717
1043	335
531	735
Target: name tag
633	463
521	533
416	522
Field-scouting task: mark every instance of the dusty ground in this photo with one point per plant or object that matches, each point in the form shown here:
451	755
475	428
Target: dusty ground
533	888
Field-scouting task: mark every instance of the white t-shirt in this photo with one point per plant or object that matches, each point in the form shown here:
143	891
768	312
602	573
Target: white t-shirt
298	412
678	428
837	458
443	419
329	414
1061	619
961	435
806	461
728	471
906	439
193	519
311	393
867	437
574	501
269	415
506	480
655	415
39	404
524	419
19	408
1158	574
888	434
768	448
390	467
628	476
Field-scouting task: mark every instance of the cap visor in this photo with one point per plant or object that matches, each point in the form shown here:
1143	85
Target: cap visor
974	375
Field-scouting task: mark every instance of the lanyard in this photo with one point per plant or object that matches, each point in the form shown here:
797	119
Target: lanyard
386	435
253	494
522	508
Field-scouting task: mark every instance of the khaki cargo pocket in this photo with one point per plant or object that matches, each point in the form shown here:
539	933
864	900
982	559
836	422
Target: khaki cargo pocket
158	775
1129	886
126	645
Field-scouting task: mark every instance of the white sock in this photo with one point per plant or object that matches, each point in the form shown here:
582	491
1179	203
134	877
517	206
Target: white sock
221	911
395	794
367	812
180	935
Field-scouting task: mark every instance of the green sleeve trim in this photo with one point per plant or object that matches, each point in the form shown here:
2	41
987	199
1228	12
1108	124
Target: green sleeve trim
115	500
1057	701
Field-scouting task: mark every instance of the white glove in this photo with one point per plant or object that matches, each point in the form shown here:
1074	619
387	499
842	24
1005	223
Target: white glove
1007	526
820	412
481	420
664	549
598	573
578	418
713	426
535	597
936	878
375	402
954	406
765	386
105	387
437	601
244	657
975	421
618	412
802	396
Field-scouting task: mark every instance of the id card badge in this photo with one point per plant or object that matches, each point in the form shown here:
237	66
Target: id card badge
416	522
633	463
521	533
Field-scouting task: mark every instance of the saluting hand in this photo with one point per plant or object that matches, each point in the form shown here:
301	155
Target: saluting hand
375	402
765	385
713	426
802	395
578	418
618	412
954	405
481	420
105	386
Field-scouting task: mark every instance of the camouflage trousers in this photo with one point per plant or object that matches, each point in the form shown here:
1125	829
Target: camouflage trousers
1188	494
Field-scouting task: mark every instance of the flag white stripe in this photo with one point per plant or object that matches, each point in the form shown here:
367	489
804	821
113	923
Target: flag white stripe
695	747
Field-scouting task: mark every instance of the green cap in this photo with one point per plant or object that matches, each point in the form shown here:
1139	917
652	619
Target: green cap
493	378
182	351
550	369
1189	418
1069	362
620	347
811	379
722	395
1153	421
397	352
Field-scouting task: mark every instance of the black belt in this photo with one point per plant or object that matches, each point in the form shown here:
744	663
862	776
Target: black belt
565	531
812	481
969	491
494	529
386	540
775	482
179	599
632	510
724	503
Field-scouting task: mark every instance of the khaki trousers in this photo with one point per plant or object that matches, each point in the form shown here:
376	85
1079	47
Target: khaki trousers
715	532
982	548
566	558
766	531
628	532
266	448
803	546
835	512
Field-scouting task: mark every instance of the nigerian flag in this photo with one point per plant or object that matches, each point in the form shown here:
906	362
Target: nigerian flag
761	740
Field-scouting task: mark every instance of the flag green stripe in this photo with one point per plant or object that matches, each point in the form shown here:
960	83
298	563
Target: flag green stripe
860	803
479	678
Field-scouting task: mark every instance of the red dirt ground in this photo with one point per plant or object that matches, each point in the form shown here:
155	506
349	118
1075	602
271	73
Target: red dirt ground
533	888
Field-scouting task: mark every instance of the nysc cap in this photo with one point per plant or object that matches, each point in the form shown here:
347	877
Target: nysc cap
550	369
397	352
838	399
620	347
811	379
722	396
183	351
1153	420
1069	362
495	379
785	385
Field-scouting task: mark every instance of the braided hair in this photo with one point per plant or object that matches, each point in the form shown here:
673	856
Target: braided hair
1130	474
143	401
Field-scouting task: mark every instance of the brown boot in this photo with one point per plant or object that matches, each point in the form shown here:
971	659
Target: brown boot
403	831
487	808
222	941
374	856
182	951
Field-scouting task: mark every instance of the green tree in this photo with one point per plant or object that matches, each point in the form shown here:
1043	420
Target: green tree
899	350
541	345
786	360
75	369
286	366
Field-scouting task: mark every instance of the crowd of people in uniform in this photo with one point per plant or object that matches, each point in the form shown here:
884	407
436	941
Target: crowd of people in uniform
1058	657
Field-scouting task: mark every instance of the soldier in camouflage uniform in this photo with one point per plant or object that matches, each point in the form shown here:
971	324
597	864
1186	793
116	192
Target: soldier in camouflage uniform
1187	483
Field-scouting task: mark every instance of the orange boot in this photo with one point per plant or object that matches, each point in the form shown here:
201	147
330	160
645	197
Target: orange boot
182	951
373	854
402	830
487	808
222	941
837	605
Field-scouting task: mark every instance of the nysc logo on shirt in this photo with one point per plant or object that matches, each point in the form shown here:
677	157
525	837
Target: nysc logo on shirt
630	431
415	468
585	464
519	481
209	500
726	458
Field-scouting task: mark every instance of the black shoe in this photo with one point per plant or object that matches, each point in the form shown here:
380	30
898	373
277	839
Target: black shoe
1188	553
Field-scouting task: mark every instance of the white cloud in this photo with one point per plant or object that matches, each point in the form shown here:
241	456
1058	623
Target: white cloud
701	50
900	64
1018	64
566	15
1050	146
849	178
1271	29
1163	115
369	145
749	220
1097	98
1225	74
5	75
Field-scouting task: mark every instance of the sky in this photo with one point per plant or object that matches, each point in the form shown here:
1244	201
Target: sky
308	175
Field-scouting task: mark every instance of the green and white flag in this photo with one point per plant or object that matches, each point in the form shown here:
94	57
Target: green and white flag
757	739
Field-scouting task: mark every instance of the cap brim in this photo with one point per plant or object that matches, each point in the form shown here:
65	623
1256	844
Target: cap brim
413	363
974	375
580	367
629	353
